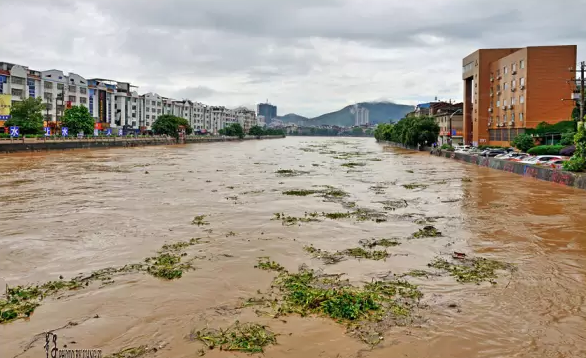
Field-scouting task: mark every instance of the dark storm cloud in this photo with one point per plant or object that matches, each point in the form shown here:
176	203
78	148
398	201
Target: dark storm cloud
304	54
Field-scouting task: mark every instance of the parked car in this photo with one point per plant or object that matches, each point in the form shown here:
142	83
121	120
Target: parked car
540	159
555	164
493	152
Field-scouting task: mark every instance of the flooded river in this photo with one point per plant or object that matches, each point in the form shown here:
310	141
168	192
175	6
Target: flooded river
66	213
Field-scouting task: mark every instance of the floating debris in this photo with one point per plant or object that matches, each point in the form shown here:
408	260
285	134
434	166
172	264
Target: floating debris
393	204
475	270
264	263
415	186
427	231
199	220
370	244
289	172
240	337
301	192
288	220
367	311
133	352
353	164
335	257
466	180
328	258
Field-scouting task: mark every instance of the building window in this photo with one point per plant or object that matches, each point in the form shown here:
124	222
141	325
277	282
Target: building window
82	90
522	81
134	108
148	117
158	111
504	118
522	64
521	117
512	117
505	102
16	92
71	99
60	86
82	100
134	115
48	96
521	99
159	104
513	83
17	80
505	86
153	103
505	70
514	67
48	85
72	88
513	100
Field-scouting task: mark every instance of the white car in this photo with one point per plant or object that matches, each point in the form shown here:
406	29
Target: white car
540	159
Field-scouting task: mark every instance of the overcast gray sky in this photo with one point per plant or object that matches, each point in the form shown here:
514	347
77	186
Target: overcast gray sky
305	56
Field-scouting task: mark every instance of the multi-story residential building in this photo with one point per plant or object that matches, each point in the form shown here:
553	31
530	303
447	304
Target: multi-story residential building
102	101
361	115
450	120
509	90
150	107
246	118
267	110
125	106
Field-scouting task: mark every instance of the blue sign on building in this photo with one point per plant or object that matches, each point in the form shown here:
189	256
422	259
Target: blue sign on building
91	106
2	82
31	88
109	131
47	131
64	131
96	132
14	131
120	132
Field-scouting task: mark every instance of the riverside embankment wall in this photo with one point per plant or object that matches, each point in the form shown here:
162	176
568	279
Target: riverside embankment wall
36	145
577	180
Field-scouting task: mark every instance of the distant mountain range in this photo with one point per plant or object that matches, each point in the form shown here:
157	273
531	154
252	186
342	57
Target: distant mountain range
379	112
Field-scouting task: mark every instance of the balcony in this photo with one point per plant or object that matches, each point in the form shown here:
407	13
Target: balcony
491	94
504	107
491	79
499	77
514	72
511	106
512	123
522	87
490	109
513	89
498	93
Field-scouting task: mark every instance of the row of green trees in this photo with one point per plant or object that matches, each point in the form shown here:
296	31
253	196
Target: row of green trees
28	116
260	131
409	131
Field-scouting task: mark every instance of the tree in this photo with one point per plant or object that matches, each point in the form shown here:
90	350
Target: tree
256	131
78	119
567	138
168	124
233	130
357	131
28	115
523	142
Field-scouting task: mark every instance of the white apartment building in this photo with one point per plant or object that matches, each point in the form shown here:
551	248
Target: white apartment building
125	106
260	120
246	118
150	107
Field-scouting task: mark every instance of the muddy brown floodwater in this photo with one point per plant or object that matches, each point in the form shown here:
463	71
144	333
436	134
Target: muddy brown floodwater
66	213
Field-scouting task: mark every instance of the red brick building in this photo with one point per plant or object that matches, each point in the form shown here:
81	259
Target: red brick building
509	90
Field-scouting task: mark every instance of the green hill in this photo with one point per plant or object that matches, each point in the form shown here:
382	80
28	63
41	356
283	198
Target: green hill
379	112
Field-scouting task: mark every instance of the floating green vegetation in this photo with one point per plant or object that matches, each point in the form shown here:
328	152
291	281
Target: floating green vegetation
199	220
353	164
369	214
393	204
427	231
230	234
418	273
334	193
375	160
264	263
415	186
370	244
360	253
367	311
466	180
253	192
409	171
337	216
240	337
230	187
378	188
289	172
301	192
21	301
133	352
335	257
475	270
315	165
288	220
328	258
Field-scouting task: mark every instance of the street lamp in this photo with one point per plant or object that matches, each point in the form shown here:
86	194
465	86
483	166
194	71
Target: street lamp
452	115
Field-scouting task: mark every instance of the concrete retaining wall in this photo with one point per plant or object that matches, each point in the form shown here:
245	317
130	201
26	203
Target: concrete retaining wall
35	145
577	180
